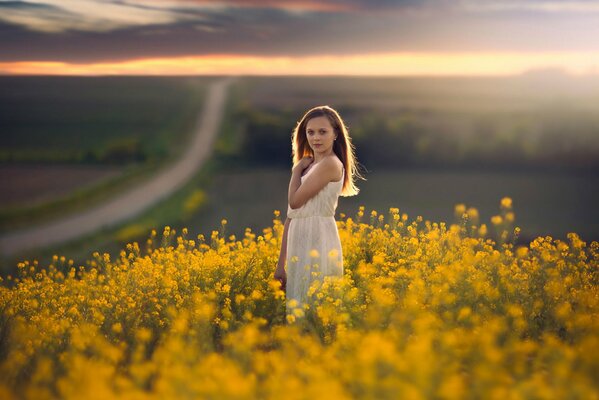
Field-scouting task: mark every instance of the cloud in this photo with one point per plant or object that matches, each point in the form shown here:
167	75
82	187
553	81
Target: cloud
296	6
538	6
87	31
55	16
288	5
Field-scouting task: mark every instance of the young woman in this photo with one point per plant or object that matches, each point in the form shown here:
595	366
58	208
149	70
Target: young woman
323	155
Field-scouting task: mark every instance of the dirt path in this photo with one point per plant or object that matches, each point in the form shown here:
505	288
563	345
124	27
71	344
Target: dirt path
137	199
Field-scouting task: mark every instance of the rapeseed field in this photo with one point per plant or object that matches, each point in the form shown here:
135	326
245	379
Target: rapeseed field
424	311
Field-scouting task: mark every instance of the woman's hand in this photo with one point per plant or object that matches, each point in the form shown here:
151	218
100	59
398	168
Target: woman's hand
303	164
281	276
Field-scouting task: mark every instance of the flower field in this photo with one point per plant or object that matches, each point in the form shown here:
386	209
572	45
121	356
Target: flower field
425	311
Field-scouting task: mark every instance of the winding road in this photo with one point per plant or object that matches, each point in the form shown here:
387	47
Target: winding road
137	199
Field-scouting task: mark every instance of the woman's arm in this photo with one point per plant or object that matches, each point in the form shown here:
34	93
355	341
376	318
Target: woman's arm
280	273
299	193
283	253
294	184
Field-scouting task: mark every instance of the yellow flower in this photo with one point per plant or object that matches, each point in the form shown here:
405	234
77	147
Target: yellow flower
455	294
239	298
509	217
314	253
293	303
298	312
143	334
378	259
563	310
482	231
117	327
506	203
521	251
472	214
496	219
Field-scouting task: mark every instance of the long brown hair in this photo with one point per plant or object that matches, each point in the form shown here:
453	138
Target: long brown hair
342	147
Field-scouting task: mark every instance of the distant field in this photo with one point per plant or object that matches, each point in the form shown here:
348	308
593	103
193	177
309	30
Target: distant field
29	184
515	123
544	204
99	120
428	144
66	141
466	94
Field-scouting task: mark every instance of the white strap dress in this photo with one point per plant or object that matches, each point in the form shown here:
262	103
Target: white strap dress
313	244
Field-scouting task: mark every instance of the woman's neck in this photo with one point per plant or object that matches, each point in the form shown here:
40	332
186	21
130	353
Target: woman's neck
319	157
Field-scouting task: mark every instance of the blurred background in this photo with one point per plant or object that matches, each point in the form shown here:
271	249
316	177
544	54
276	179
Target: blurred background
446	102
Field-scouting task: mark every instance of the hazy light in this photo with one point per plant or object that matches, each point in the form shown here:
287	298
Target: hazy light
428	64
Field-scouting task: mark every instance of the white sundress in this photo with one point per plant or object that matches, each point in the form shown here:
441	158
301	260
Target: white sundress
312	227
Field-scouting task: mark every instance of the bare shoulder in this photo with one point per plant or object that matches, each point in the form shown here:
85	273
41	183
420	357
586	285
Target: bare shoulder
333	166
338	161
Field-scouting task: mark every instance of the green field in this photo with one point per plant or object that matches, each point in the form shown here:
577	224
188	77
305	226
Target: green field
544	204
110	120
516	123
134	123
426	145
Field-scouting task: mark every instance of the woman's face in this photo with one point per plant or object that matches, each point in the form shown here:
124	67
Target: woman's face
320	134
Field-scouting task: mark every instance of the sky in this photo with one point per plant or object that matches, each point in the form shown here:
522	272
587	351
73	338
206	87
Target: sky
298	37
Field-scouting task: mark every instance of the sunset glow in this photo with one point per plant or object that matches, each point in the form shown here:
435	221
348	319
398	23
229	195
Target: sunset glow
400	64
